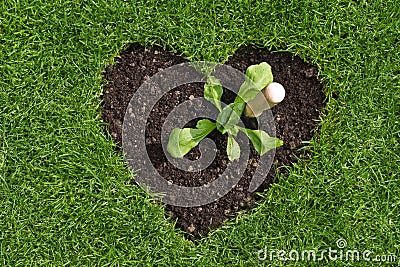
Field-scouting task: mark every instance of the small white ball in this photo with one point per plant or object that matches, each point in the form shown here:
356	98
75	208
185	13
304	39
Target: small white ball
274	93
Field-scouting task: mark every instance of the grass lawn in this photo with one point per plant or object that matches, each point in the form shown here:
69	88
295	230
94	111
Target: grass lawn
65	196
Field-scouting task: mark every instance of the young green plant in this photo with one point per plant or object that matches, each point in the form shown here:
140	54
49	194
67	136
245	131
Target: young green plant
257	93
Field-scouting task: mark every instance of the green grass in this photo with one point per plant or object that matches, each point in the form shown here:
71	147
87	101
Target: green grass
65	196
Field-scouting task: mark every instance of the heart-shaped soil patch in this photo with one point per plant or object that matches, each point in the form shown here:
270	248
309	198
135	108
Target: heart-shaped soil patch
295	121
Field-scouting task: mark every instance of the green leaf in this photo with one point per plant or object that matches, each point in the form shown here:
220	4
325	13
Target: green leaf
232	149
229	117
181	141
213	91
203	128
262	141
257	78
233	131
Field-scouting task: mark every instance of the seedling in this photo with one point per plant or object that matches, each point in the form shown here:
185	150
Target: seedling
257	93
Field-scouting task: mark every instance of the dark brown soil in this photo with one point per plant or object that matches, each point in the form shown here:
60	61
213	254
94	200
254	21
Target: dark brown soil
295	119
